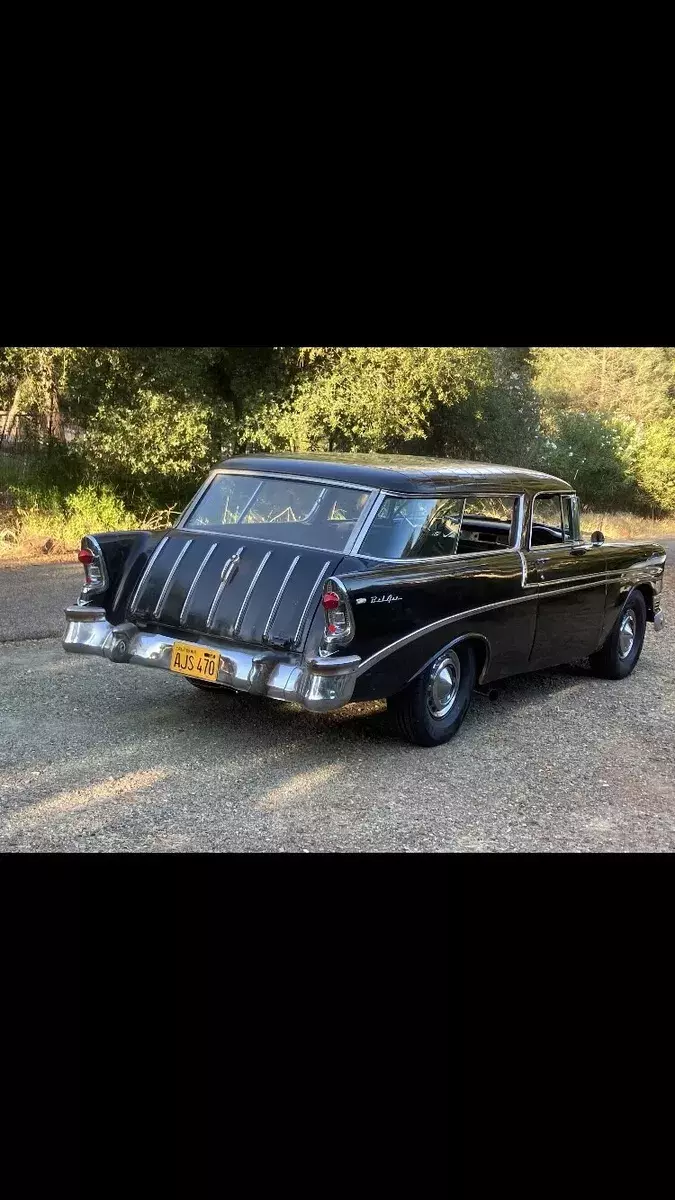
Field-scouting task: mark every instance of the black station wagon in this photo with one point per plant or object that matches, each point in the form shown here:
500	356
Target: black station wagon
323	579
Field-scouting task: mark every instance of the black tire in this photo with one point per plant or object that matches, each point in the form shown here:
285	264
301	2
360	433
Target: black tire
414	709
616	659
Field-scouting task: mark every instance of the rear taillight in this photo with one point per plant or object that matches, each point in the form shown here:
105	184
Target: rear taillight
339	628
95	577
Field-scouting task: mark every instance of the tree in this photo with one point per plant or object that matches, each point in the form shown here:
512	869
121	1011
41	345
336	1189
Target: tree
32	382
363	398
655	470
630	381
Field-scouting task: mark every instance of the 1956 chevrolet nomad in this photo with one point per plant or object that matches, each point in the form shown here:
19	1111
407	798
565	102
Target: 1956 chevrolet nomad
323	579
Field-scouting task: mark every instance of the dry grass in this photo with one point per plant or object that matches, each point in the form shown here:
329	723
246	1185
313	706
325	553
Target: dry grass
627	525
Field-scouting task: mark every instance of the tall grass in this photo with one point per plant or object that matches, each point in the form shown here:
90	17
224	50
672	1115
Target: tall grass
627	525
42	505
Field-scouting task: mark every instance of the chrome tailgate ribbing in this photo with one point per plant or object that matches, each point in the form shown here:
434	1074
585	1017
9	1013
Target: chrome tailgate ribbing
225	577
275	607
250	590
319	579
186	606
247	597
144	577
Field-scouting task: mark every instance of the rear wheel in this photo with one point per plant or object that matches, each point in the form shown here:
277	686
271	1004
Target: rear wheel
617	658
431	709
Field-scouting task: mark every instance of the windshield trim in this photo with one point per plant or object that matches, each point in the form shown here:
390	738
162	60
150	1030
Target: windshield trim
372	494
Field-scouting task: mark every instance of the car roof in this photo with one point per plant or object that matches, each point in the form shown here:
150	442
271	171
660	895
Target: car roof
401	472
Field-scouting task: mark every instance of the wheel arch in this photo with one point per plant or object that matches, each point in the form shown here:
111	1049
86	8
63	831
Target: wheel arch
480	645
648	592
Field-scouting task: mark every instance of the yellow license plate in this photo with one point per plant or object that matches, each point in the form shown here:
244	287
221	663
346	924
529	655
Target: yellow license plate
195	661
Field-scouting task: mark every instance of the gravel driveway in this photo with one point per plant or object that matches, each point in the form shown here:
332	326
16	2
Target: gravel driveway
96	757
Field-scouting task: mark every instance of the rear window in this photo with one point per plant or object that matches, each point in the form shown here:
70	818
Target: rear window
296	511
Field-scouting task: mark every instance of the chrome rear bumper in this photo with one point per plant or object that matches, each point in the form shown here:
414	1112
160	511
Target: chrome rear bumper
318	684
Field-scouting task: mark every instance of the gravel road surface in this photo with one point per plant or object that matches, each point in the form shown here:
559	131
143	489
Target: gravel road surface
96	757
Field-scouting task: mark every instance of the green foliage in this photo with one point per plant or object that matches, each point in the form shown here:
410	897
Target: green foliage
655	468
596	454
44	512
148	422
630	381
365	398
155	449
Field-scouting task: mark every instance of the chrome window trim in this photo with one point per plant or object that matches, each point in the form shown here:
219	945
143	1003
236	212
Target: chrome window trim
547	545
275	607
305	610
576	517
515	533
219	591
148	567
216	533
169	579
363	522
192	504
385	651
247	597
193	585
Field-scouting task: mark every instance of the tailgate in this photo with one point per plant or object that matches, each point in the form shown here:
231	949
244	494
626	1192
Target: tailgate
233	587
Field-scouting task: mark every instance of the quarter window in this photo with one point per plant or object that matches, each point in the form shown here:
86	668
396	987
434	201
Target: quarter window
414	527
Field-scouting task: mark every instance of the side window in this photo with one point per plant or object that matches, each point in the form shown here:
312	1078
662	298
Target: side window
547	523
414	527
487	523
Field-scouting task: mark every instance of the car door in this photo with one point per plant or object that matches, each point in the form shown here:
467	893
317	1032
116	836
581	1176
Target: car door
570	578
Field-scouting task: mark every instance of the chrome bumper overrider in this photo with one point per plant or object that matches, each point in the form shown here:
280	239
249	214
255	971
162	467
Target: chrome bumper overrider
317	684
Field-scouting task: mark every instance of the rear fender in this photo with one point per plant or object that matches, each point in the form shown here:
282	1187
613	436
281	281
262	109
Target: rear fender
124	555
395	670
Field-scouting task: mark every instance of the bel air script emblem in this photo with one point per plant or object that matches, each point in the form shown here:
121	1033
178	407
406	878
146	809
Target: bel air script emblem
389	599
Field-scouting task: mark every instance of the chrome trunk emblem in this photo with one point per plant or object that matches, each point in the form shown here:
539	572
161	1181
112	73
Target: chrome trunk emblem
231	567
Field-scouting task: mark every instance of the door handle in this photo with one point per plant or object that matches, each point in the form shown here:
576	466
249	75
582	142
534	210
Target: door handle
539	562
579	549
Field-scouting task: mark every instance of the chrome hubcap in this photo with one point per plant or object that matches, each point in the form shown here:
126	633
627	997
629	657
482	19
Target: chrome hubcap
627	634
444	684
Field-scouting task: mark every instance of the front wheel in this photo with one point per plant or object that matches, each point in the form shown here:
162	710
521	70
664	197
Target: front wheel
431	709
623	647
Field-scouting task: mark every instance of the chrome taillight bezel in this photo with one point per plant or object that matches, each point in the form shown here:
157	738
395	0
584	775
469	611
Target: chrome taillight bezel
95	573
342	617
